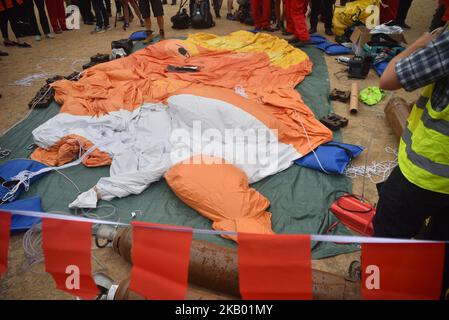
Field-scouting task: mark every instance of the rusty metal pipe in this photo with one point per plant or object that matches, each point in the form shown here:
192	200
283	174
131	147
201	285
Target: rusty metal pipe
216	268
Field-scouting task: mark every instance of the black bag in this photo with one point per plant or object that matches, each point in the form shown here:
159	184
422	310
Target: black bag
181	20
125	44
200	15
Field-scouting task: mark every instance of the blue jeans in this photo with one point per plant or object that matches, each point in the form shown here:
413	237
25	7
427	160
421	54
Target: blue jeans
100	13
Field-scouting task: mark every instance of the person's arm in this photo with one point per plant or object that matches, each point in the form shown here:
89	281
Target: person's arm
389	79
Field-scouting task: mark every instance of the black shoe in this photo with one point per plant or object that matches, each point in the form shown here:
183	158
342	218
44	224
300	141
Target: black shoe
329	32
3	54
405	26
312	30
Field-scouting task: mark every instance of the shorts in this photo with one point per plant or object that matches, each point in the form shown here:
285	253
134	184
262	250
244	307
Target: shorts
156	6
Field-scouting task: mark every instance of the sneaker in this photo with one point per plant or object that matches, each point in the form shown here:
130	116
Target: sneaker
49	36
312	30
230	16
37	38
107	28
97	30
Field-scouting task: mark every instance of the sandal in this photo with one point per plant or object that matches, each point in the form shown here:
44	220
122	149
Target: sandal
24	45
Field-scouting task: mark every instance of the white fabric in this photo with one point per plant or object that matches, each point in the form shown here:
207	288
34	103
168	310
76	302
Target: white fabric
145	143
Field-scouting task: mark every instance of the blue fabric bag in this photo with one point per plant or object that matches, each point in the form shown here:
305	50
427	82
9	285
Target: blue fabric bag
19	222
317	39
13	167
333	156
333	49
380	67
138	35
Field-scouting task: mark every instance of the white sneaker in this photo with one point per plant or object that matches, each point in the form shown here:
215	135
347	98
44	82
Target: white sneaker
49	36
37	38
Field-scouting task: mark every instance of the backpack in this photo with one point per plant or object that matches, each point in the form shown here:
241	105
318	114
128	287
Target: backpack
181	19
200	15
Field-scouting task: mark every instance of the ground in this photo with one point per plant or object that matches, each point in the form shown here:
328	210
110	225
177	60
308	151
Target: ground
68	51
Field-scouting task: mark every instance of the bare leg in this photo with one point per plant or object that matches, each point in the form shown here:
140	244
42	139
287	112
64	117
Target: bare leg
160	23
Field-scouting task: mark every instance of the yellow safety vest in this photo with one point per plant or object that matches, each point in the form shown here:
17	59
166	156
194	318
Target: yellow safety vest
424	146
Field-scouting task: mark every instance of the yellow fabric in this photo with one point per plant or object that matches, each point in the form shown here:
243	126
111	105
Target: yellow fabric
428	143
281	54
349	14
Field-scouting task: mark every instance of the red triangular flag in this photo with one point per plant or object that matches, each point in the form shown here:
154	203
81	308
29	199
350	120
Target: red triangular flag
67	251
275	267
402	271
5	225
160	261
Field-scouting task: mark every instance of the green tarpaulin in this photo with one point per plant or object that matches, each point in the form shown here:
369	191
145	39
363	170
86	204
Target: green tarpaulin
299	197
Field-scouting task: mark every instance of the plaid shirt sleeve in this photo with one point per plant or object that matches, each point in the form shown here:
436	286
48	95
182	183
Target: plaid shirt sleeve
426	65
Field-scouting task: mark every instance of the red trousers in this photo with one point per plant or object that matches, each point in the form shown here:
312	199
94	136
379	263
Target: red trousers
389	13
295	14
56	13
261	19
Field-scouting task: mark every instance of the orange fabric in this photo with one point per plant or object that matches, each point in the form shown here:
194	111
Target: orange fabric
5	224
67	250
68	149
226	198
275	267
160	262
141	77
405	271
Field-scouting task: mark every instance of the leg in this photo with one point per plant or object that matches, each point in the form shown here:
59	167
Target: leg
328	12
108	7
158	12
277	12
315	11
61	14
266	12
288	16
51	8
40	4
28	7
126	11
217	7
404	7
137	10
98	13
255	12
402	208
299	9
4	25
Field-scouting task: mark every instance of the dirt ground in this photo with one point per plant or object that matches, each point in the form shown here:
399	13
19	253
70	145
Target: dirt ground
68	51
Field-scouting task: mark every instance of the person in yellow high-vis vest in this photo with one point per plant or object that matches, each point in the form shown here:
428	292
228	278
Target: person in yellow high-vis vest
418	188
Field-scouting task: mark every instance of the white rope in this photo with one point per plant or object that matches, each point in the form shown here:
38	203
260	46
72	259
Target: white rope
376	172
314	237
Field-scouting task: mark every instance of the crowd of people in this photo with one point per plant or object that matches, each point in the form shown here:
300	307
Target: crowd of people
290	16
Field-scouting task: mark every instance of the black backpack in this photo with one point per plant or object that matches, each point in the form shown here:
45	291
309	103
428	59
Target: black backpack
181	19
200	15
